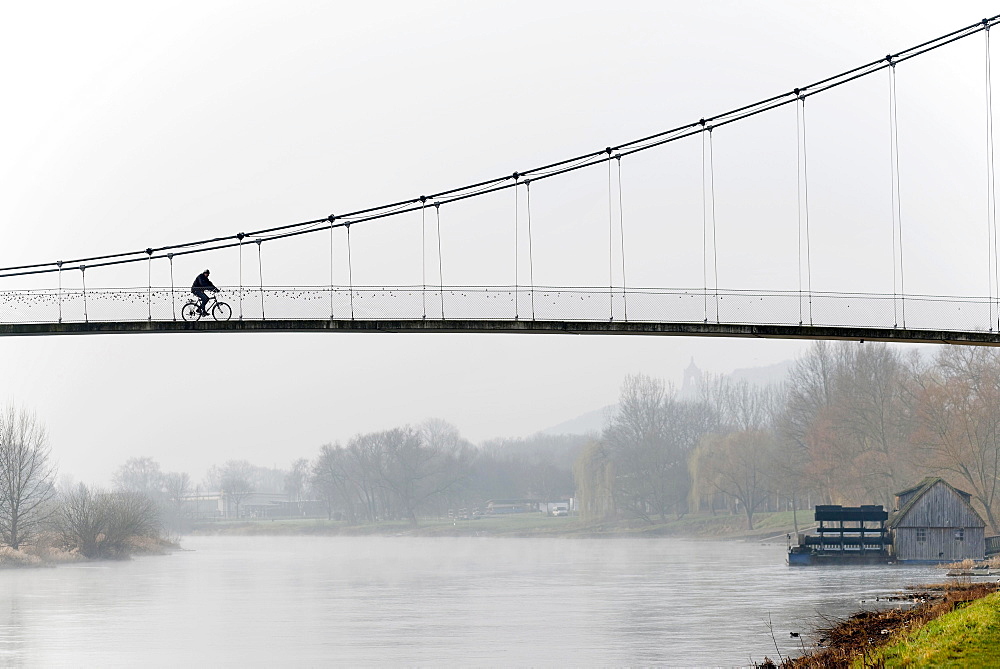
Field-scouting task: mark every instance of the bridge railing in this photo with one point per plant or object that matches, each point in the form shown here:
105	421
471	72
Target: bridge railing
579	304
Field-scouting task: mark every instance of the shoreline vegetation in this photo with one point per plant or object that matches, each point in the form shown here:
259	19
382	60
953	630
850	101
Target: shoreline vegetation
767	526
46	551
951	624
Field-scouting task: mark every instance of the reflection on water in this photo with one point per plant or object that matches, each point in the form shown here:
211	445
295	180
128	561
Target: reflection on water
313	601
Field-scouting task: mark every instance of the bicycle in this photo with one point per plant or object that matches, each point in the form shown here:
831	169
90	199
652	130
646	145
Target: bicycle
191	311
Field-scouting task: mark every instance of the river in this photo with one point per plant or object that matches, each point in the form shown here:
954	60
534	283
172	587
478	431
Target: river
363	601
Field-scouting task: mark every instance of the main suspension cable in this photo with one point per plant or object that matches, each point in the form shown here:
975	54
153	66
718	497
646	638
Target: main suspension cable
545	171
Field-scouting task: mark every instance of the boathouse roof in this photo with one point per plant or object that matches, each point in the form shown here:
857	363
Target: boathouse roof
910	498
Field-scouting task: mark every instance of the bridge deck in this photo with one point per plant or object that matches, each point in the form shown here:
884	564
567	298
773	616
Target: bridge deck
511	327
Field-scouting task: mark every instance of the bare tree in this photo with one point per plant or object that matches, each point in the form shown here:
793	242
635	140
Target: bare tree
296	479
237	482
848	419
176	486
415	472
365	468
102	524
332	479
872	413
80	520
26	475
741	465
649	440
810	393
959	423
213	478
140	474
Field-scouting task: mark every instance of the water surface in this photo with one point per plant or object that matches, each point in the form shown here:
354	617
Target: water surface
349	601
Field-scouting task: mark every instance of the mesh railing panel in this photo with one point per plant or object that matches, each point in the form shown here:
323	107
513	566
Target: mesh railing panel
573	304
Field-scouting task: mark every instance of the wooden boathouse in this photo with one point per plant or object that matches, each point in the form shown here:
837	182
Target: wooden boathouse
935	522
846	535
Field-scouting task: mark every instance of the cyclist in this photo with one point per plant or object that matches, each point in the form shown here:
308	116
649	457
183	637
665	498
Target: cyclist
200	285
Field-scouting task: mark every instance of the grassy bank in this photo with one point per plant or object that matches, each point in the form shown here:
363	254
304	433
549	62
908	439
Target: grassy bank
957	624
966	637
519	525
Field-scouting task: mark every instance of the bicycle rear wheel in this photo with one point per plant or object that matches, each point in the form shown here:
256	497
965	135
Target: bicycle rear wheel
190	312
222	311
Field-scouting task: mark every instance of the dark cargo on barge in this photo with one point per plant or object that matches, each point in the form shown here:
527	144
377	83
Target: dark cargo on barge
846	535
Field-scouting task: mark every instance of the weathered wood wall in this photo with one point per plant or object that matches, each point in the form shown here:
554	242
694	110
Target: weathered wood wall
940	512
940	544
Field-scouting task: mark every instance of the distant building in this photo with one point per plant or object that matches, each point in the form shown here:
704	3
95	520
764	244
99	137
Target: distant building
691	385
213	505
500	506
935	522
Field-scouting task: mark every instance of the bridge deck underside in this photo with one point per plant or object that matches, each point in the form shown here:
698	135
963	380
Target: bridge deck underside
511	327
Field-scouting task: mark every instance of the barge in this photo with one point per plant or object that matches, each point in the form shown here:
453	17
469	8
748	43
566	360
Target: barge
848	535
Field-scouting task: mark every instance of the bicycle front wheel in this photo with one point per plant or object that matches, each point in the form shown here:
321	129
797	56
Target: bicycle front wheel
222	311
190	312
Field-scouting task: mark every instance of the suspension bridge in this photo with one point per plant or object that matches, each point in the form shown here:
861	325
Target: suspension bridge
503	255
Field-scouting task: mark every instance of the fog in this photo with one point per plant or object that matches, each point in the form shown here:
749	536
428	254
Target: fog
135	125
364	601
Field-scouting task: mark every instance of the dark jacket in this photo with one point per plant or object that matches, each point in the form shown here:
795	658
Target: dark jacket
201	282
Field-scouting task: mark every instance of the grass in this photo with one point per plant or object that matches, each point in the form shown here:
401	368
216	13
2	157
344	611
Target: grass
955	624
966	637
533	524
520	524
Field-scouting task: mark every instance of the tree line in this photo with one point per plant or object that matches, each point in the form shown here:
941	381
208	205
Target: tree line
403	473
33	511
850	424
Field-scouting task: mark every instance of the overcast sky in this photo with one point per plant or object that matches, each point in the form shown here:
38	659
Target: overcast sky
127	125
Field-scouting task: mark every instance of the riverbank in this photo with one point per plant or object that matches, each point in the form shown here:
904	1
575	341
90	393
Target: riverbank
767	526
47	553
956	624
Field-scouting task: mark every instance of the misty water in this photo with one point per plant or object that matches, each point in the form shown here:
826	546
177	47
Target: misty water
314	601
